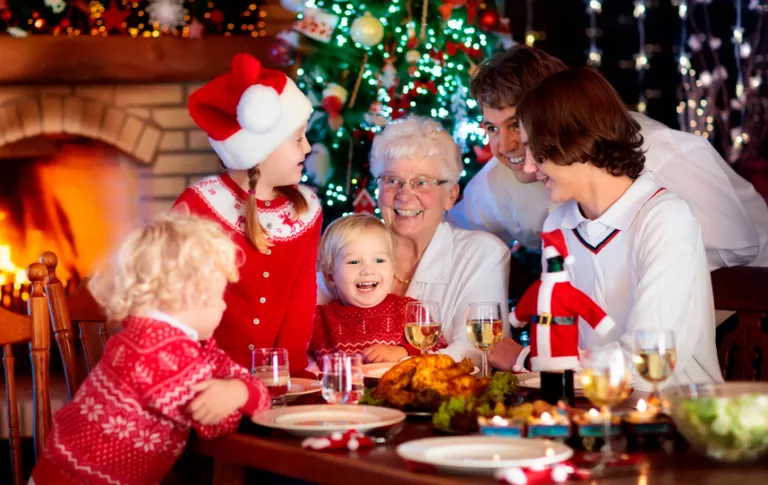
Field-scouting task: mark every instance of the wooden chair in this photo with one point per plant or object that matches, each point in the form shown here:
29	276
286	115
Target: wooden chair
81	308
743	350
33	328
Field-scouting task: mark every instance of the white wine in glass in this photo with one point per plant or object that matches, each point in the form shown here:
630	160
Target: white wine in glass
422	324
484	329
606	380
655	356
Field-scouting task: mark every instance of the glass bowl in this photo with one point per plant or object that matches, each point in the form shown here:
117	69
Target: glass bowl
726	422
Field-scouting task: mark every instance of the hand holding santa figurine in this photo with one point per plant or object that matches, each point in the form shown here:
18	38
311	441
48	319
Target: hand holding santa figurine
553	306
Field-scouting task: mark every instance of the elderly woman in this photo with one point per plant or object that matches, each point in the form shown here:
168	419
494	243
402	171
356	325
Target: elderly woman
417	165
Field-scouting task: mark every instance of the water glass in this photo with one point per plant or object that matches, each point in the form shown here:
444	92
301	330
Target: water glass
342	378
270	366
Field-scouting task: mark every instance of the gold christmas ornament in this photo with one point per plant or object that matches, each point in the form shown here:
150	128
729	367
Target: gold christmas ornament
367	30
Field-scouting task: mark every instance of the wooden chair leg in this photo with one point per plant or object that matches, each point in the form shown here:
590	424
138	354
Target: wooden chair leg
227	473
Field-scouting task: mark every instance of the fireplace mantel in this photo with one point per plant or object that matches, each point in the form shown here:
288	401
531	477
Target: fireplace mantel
46	60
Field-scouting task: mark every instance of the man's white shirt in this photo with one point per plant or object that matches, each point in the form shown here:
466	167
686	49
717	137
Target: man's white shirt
643	262
732	215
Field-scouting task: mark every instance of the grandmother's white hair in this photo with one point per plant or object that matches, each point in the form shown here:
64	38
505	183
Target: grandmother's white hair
415	137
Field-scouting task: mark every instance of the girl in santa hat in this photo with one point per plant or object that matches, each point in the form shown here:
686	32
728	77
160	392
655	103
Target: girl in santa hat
256	119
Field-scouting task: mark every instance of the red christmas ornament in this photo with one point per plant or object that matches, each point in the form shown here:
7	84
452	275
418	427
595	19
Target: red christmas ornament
364	202
488	20
280	53
217	16
113	18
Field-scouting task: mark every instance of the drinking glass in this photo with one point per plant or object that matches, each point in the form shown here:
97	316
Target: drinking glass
606	381
270	366
484	328
342	378
655	356
422	324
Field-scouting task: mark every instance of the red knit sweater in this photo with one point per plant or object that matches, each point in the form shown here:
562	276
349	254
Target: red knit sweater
128	422
273	303
347	328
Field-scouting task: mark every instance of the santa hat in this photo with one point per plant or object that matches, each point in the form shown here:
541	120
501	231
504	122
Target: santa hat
554	246
248	112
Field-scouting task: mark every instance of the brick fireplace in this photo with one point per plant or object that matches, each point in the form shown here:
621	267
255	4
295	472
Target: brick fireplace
106	113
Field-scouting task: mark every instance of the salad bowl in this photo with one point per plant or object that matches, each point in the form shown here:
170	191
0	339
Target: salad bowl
726	422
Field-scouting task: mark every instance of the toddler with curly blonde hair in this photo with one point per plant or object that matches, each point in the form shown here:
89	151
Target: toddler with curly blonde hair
163	373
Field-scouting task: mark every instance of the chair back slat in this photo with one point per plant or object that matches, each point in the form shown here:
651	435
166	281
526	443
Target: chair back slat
743	350
77	313
12	414
60	322
35	329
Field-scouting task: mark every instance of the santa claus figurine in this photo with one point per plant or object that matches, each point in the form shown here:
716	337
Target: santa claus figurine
553	306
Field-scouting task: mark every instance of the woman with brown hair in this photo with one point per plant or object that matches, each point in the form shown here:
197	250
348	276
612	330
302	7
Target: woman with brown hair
255	119
637	246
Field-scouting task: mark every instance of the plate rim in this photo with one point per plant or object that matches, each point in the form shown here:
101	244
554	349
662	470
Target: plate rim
263	418
567	452
317	387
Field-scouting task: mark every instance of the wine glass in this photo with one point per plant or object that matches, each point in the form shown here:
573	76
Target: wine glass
270	366
422	324
606	381
484	328
655	356
342	378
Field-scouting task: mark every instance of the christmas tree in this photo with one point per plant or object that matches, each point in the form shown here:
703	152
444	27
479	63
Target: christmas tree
367	63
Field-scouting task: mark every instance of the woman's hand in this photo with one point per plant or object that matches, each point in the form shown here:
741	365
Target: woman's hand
217	399
504	355
384	353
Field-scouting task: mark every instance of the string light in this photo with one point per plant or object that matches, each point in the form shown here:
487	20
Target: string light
641	58
530	34
594	55
684	65
133	19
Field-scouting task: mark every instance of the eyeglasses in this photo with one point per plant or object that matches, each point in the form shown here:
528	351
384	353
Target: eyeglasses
418	184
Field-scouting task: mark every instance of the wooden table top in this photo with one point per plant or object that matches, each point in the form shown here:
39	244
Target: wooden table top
282	454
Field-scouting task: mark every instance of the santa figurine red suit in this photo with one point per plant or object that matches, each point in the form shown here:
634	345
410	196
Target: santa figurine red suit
553	306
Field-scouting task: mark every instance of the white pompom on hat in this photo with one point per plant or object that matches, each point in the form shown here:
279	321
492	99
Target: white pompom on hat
248	112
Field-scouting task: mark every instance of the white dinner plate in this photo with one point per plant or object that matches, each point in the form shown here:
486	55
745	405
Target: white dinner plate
483	454
323	419
302	387
532	380
376	371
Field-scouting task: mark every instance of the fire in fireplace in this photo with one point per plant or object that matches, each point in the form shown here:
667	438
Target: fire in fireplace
71	195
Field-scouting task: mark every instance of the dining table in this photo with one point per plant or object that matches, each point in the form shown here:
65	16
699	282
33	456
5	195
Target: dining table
279	453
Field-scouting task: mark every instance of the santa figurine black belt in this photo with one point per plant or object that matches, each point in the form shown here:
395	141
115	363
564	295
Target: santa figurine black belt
548	319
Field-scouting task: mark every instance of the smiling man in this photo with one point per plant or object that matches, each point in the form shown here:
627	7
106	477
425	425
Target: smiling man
512	204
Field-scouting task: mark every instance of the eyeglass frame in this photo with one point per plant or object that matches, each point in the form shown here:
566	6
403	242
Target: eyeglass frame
435	183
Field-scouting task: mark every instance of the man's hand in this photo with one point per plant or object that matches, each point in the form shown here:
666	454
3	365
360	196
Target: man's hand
504	355
384	353
217	399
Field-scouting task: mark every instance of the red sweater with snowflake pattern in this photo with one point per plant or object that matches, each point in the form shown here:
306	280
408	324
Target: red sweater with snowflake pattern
128	424
347	328
273	302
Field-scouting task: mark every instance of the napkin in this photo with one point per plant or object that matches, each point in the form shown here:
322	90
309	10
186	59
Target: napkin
577	468
558	473
350	440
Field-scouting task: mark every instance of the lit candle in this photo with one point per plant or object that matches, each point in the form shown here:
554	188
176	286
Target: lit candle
594	416
643	414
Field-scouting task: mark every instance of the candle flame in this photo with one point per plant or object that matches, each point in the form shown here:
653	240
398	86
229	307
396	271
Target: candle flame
594	413
499	421
549	452
642	406
546	418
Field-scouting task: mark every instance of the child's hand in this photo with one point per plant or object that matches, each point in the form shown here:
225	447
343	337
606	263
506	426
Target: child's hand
384	353
218	399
